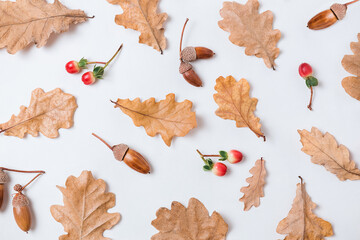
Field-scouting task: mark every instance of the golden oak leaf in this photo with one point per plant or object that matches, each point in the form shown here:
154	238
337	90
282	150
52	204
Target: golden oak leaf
18	30
235	103
84	214
301	222
351	63
47	113
142	16
255	190
166	117
352	86
251	30
324	150
191	223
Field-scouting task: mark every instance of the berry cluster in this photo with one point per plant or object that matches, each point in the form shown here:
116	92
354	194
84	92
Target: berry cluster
90	77
218	168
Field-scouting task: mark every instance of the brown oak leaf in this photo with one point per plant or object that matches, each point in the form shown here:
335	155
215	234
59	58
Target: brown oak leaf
301	222
351	63
255	190
252	30
166	117
18	30
47	113
324	150
235	103
84	214
142	16
191	223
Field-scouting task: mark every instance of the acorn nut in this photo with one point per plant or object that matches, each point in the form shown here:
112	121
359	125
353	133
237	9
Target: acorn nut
129	156
3	179
329	17
21	209
189	74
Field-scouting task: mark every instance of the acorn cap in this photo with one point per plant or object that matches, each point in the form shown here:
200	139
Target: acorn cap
120	151
188	54
18	188
4	178
20	200
184	67
339	10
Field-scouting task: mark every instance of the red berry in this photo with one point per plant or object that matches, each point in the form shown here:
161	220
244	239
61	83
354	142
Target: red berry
234	156
219	169
305	70
88	78
72	67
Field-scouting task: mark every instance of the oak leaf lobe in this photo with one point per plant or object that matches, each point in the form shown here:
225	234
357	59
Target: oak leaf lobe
301	222
166	117
252	30
235	103
325	151
46	113
85	211
351	64
143	16
18	30
191	223
255	190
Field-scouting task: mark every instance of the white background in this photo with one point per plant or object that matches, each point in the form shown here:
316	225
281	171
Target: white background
177	174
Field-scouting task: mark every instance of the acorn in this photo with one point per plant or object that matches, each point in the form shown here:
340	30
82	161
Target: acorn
329	17
21	209
129	156
190	54
3	179
189	74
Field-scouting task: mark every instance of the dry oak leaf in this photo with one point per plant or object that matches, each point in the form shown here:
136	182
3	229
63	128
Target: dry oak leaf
255	190
235	103
142	16
166	117
324	150
351	63
301	222
84	214
47	113
251	30
18	30
191	223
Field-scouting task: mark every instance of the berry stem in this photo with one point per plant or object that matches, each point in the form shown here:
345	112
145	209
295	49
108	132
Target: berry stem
215	155
20	171
108	145
311	97
202	156
96	62
347	4
182	34
108	62
31	181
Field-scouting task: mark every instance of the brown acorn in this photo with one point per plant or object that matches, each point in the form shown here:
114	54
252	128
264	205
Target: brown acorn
189	74
3	180
190	54
329	17
21	209
130	157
